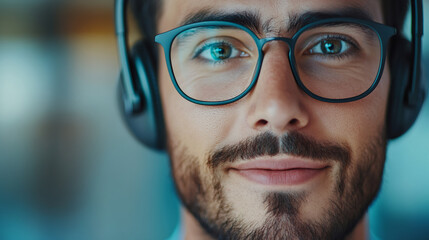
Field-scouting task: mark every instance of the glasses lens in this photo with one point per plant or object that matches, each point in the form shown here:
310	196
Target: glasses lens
339	60
213	63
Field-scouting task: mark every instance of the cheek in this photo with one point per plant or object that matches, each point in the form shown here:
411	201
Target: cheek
197	128
373	117
356	122
372	109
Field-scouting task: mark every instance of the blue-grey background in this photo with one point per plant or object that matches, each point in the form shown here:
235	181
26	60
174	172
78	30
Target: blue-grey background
70	170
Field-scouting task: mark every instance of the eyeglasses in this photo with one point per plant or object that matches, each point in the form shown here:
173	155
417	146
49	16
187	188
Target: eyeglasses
333	60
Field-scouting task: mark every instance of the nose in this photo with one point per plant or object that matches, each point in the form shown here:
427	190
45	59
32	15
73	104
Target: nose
276	101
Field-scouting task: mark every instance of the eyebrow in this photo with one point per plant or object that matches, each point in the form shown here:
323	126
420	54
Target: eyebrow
299	21
249	19
253	21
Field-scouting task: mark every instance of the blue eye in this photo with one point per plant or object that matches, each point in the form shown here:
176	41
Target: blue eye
331	47
218	52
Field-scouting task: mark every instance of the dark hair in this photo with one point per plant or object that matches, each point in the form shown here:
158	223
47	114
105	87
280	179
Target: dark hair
147	12
394	12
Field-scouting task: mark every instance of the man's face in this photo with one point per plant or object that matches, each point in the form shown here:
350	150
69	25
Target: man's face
277	163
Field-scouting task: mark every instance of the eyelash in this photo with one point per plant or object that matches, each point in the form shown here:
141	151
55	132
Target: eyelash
353	45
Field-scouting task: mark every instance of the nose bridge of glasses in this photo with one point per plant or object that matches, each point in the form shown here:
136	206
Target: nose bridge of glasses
281	54
288	41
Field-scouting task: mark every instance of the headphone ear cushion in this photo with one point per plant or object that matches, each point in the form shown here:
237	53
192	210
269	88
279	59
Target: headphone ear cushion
146	125
401	115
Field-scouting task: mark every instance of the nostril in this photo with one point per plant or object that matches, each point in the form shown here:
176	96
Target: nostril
293	122
261	123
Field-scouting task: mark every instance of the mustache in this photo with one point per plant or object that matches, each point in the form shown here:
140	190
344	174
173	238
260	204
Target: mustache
268	144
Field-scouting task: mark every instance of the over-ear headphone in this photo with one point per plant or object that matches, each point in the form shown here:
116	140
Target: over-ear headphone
138	94
408	90
140	102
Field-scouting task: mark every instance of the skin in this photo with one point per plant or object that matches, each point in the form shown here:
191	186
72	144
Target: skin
275	105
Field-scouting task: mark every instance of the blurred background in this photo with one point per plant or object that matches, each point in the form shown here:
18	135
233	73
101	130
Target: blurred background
70	170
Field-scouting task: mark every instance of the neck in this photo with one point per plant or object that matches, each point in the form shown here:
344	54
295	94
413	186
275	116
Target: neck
192	228
194	231
361	230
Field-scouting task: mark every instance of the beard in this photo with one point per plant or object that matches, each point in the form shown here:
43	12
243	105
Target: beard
200	187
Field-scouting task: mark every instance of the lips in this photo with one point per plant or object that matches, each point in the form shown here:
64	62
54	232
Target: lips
280	172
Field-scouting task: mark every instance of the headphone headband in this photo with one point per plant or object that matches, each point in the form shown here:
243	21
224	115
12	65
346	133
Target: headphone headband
132	101
416	45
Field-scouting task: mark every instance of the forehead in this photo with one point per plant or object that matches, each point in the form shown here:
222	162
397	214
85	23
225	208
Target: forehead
277	12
